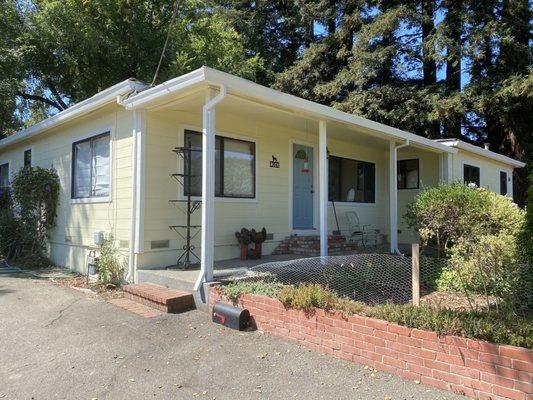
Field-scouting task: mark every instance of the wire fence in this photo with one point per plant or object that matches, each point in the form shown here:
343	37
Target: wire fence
369	278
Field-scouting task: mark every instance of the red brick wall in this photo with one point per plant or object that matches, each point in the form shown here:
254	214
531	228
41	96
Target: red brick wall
471	367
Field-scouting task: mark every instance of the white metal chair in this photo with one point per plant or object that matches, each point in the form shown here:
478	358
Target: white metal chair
360	233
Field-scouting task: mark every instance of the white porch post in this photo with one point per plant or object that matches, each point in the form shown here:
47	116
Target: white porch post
393	197
445	167
208	187
323	186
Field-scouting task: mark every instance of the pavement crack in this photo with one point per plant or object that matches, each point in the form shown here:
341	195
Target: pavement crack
60	314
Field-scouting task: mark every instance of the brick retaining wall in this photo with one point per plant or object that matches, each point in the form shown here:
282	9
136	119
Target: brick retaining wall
471	367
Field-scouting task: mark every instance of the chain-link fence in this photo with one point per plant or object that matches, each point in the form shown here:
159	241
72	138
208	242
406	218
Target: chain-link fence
369	278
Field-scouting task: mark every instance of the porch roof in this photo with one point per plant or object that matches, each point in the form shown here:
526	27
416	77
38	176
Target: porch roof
246	89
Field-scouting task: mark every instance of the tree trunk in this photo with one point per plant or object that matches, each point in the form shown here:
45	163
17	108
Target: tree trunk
429	65
452	126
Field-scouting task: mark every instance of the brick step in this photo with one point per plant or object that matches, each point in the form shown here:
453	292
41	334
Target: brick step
159	297
310	245
137	308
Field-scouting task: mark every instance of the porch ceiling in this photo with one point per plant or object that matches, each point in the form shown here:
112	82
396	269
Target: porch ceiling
260	113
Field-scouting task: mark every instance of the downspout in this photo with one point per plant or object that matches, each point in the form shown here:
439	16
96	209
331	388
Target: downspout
131	257
208	123
394	197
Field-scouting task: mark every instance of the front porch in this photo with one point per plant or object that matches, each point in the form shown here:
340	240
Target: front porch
293	170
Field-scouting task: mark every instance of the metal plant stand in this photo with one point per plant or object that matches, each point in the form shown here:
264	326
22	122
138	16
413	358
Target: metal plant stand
188	232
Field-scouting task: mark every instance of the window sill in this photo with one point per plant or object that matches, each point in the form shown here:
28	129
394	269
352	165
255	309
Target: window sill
408	189
225	199
353	203
91	200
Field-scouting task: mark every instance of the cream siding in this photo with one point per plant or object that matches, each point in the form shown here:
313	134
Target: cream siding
73	235
489	171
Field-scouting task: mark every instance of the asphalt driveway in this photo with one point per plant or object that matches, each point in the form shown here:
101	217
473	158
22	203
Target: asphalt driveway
60	343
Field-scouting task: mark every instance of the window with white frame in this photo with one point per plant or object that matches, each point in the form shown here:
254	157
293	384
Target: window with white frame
471	175
408	174
351	180
91	167
234	166
4	175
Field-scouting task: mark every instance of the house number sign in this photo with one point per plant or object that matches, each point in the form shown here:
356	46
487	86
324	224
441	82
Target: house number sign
274	163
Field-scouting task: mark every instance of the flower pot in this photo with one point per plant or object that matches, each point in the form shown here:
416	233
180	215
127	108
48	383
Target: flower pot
244	252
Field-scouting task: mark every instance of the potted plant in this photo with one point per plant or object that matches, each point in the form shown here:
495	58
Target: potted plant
244	239
257	238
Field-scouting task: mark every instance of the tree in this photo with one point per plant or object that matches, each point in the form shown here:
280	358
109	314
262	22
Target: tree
72	49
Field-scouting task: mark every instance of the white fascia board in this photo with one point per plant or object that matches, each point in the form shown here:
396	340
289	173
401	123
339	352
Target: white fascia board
459	144
143	99
98	100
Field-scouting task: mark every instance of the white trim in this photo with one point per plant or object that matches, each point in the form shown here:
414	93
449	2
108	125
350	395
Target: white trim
314	146
459	144
181	141
91	200
241	87
86	136
393	193
106	96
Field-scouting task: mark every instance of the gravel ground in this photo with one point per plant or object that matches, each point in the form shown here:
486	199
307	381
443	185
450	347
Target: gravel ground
61	343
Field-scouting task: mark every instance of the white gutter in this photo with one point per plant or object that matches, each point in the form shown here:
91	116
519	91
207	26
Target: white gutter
459	144
208	191
393	194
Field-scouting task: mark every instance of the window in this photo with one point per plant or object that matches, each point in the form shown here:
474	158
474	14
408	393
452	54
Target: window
27	158
471	175
234	166
351	180
408	175
91	167
4	175
503	183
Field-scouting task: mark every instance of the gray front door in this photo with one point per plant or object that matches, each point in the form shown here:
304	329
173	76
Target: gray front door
302	187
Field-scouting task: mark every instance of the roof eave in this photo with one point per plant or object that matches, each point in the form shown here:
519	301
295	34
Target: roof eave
459	144
92	103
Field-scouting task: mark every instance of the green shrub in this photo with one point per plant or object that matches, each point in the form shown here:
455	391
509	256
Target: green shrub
266	287
28	212
310	296
514	330
488	266
449	213
109	263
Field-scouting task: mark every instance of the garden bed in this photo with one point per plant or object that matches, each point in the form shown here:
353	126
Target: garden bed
471	367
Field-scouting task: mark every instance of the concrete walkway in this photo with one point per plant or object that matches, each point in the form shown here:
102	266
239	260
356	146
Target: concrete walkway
60	343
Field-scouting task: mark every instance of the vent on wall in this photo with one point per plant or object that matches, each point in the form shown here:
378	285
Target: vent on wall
159	244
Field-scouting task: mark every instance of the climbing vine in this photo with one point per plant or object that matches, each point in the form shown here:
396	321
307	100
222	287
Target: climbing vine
28	212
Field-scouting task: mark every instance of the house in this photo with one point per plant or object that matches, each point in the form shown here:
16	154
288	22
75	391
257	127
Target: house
118	158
